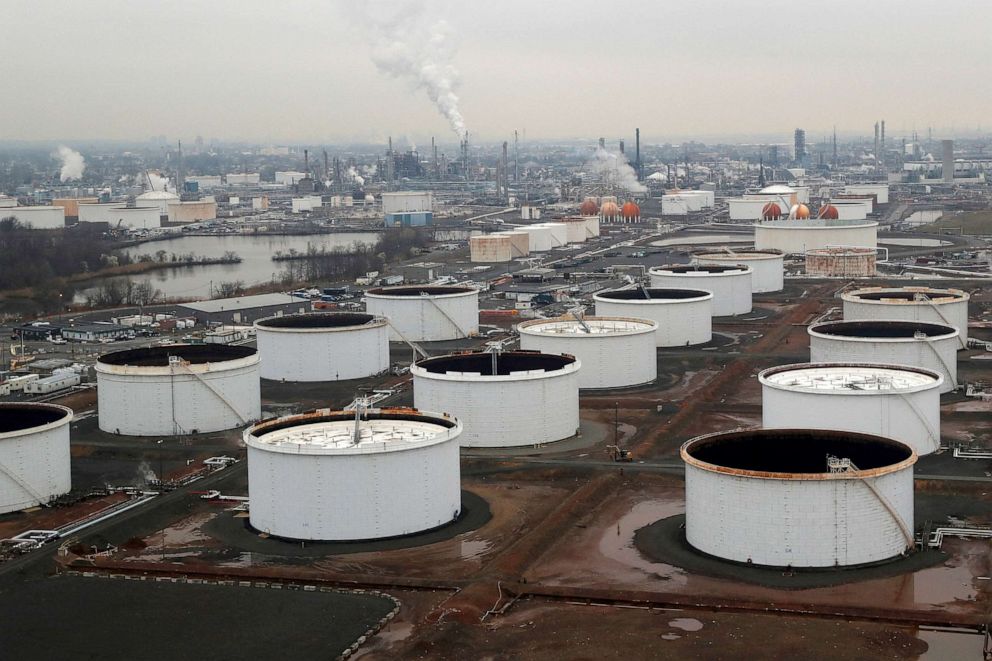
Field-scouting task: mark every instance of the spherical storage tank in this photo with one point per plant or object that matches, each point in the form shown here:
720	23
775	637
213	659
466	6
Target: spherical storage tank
426	313
684	316
767	266
730	283
34	454
939	306
178	389
322	346
341	475
799	497
895	401
615	352
504	399
917	344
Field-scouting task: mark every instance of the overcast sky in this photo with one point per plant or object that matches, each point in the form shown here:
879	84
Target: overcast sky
298	70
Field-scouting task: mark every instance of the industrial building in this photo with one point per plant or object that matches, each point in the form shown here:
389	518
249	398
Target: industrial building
841	262
422	272
353	475
799	497
895	401
34	454
428	313
615	352
684	316
729	283
879	191
917	344
242	309
322	346
939	306
767	266
506	399
408	209
243	179
94	332
178	389
798	236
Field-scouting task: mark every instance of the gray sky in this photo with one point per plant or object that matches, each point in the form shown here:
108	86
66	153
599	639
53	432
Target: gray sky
302	70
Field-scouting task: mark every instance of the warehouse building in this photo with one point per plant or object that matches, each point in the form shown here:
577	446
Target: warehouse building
243	309
408	209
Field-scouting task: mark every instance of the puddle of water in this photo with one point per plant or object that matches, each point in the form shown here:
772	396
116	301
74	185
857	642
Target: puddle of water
617	542
686	624
472	549
945	645
670	636
939	585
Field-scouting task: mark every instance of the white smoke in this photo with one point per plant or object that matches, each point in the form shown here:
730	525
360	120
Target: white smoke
73	164
409	44
357	178
616	170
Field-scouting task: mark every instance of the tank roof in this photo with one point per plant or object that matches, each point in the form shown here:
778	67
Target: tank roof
849	378
589	327
318	320
716	269
420	290
750	253
23	417
796	453
192	353
508	363
654	293
907	295
882	329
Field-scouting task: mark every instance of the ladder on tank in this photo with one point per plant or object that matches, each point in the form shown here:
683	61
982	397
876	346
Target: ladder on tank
840	465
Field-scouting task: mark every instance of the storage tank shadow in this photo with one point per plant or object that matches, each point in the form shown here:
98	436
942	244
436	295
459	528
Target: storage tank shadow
322	346
178	389
799	497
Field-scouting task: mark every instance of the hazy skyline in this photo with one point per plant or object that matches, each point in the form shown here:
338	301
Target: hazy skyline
304	71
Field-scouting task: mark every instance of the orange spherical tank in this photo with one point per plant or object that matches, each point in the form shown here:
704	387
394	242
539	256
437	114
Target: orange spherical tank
630	210
589	207
828	212
771	211
800	212
610	210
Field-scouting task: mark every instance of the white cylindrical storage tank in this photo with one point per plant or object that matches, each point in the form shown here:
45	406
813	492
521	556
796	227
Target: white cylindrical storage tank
529	398
178	389
157	198
841	262
917	344
895	401
795	237
34	454
684	316
938	306
592	226
322	346
312	477
427	313
559	234
767	266
799	497
575	228
730	283
541	237
135	217
615	352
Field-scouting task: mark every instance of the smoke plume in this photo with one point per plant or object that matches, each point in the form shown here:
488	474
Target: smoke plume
158	182
357	178
73	164
410	45
615	169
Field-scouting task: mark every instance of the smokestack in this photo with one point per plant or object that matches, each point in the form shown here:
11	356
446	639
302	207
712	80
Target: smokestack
876	143
621	147
327	173
434	171
306	162
602	143
637	152
516	158
882	149
948	161
835	147
390	152
504	169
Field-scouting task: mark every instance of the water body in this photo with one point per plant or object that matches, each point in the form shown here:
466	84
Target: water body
255	268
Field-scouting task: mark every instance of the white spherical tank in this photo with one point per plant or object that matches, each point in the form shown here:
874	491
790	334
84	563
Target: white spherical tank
799	497
615	352
426	313
684	316
894	401
322	346
938	306
767	266
730	283
917	344
178	389
529	398
34	454
338	476
796	237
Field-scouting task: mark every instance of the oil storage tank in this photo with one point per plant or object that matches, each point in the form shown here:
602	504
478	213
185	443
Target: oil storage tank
426	313
503	399
730	283
615	352
178	389
895	401
322	346
917	344
684	316
767	266
346	475
939	306
799	497
34	454
798	236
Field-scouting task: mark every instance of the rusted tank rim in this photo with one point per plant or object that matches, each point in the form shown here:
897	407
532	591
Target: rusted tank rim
532	327
779	369
708	270
936	296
